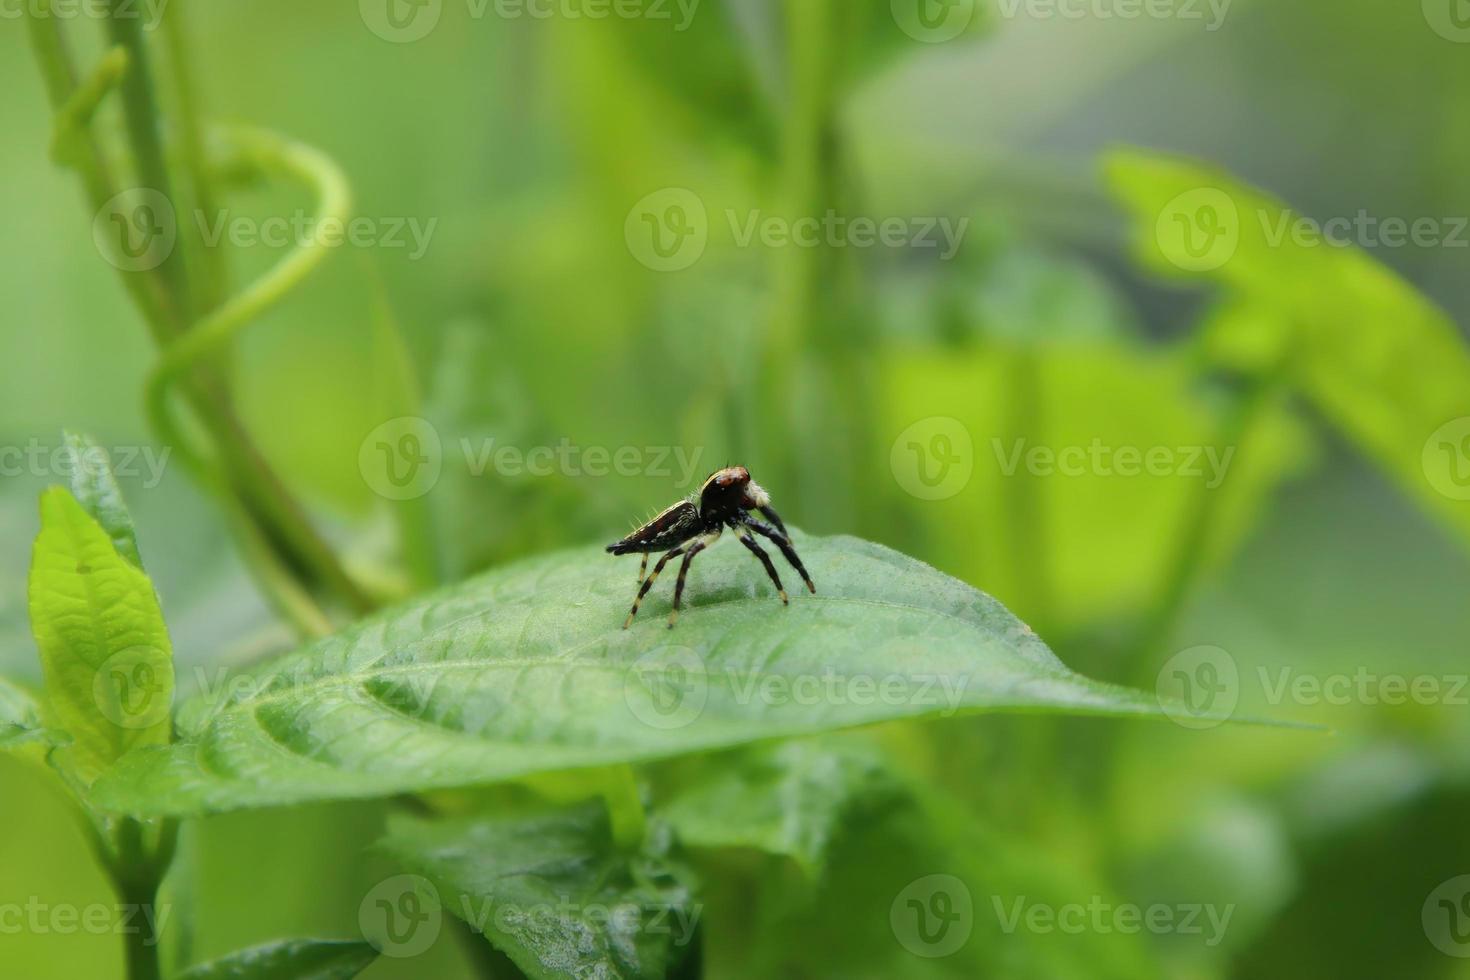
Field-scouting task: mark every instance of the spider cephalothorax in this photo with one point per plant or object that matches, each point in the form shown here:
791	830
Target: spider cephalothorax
692	525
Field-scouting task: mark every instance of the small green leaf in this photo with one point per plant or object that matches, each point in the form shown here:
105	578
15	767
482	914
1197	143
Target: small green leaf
20	720
93	485
1378	360
105	652
790	798
291	959
553	892
526	670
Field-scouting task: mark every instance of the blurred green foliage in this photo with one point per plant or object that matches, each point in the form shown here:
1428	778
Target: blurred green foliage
1328	549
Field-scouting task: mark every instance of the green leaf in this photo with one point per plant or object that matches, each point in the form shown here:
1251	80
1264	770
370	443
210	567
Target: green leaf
525	670
790	798
105	652
552	892
1025	450
20	720
93	485
924	889
1379	360
290	959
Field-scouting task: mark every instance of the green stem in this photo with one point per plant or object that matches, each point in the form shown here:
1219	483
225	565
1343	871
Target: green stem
139	860
145	287
140	113
212	280
1192	546
797	380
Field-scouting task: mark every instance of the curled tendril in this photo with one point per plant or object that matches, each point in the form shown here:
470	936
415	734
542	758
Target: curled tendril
262	151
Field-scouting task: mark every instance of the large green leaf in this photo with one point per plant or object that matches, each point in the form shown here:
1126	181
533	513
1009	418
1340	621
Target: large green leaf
526	670
552	892
291	959
790	798
1379	360
105	652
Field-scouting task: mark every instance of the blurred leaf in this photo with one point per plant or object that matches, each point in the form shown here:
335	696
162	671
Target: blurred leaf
290	959
553	892
927	890
93	485
1377	358
790	798
525	670
105	651
720	65
1039	460
20	721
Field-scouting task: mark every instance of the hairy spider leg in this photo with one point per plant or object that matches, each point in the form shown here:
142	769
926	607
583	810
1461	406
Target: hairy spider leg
683	573
784	543
760	553
648	583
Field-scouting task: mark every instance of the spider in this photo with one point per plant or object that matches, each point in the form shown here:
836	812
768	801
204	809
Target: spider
692	525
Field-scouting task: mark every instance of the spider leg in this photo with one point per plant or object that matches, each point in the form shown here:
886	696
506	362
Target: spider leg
648	583
679	585
784	543
760	553
643	569
775	519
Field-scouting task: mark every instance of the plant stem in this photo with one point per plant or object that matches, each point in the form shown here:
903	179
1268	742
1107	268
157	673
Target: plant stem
246	482
138	865
211	279
140	113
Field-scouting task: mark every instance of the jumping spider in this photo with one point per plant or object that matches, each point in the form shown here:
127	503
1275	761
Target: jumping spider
692	525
